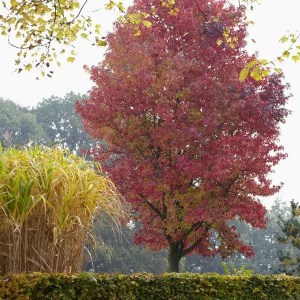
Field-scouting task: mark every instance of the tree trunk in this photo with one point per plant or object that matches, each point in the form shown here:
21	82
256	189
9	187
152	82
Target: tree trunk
174	257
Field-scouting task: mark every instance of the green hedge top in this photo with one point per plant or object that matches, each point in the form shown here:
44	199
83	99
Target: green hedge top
88	286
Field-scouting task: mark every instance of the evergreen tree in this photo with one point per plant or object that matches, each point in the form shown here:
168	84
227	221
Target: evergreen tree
290	234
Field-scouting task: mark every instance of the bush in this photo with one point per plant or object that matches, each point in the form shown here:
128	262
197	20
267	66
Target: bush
87	286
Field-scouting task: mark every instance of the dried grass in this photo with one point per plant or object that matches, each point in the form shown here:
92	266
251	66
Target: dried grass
48	199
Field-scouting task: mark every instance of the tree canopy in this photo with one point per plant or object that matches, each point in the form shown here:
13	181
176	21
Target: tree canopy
53	121
61	123
189	145
45	31
18	126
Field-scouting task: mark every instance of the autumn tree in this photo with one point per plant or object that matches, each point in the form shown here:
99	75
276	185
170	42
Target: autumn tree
264	242
45	32
189	145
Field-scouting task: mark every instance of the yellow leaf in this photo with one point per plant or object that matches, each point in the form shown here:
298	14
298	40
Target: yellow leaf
219	42
256	74
286	54
265	72
101	43
137	33
97	28
110	5
59	35
264	62
71	59
147	23
11	21
28	67
174	11
283	39
121	7
280	59
13	3
277	70
84	35
243	74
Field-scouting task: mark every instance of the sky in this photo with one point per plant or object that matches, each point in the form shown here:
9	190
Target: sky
272	19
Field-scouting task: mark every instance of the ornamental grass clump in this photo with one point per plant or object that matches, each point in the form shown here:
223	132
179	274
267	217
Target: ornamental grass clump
48	199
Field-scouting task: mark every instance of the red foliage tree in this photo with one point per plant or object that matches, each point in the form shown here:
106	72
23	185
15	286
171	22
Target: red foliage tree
188	144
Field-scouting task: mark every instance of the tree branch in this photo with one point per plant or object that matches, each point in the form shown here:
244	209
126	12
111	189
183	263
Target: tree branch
155	209
197	242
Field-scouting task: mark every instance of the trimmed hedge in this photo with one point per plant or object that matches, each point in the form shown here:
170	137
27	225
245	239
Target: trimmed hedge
88	286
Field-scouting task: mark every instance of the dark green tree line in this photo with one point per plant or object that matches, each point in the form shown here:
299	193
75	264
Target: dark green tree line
18	125
52	121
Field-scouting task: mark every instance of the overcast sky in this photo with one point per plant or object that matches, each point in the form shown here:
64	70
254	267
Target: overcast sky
272	19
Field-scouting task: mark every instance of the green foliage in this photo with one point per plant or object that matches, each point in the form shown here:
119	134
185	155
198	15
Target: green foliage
116	252
18	126
230	269
53	121
146	286
58	118
290	235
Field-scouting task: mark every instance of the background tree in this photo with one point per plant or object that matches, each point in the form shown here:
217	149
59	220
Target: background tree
53	121
18	126
62	125
191	144
290	236
116	253
48	199
265	247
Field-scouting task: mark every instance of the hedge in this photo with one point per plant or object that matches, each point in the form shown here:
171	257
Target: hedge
170	286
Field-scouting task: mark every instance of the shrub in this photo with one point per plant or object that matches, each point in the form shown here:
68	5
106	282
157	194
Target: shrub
170	286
